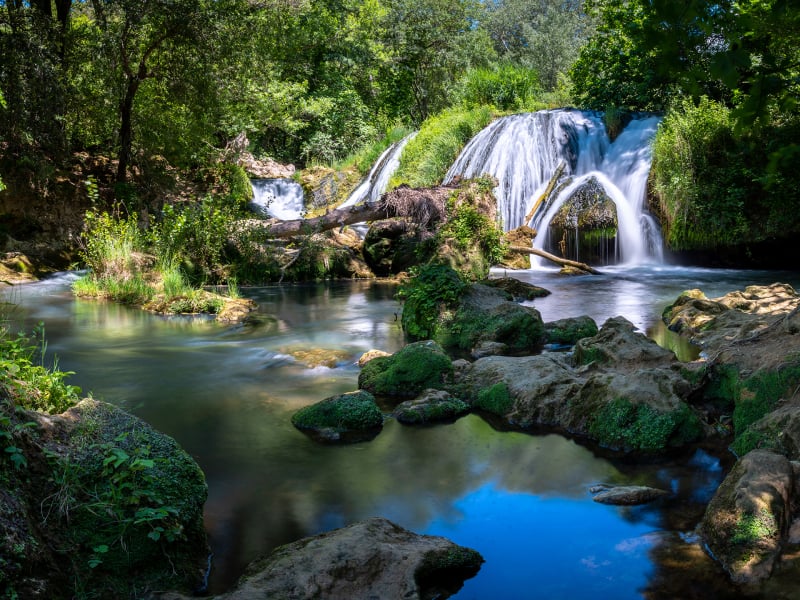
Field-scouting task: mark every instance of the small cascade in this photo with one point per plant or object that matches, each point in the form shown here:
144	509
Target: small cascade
278	198
377	180
524	151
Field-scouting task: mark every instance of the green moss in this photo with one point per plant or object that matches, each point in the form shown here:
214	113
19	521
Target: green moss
432	290
568	331
752	528
584	355
622	425
353	411
496	399
442	410
406	373
511	324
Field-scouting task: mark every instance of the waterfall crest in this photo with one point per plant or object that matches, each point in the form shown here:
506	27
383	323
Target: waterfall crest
523	152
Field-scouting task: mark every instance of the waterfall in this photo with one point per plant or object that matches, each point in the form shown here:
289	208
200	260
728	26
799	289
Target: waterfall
523	152
278	198
377	180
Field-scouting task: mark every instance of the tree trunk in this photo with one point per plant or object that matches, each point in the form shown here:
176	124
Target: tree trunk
549	190
125	129
564	262
339	217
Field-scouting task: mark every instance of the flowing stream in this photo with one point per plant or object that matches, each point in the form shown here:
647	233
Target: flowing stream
377	180
522	500
278	198
524	151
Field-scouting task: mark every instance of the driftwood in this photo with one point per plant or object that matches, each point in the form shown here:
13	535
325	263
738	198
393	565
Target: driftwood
548	190
564	262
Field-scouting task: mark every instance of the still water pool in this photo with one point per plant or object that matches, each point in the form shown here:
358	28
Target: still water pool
522	500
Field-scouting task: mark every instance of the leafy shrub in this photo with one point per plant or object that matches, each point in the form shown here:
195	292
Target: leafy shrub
27	380
507	87
430	154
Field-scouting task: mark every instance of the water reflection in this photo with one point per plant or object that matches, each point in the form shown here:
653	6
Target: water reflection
226	394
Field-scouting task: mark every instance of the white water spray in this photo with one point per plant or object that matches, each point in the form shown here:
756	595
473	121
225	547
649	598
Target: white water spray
523	152
377	180
278	198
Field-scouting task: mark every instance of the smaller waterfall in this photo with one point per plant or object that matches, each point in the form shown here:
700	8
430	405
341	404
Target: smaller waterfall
278	198
524	151
377	180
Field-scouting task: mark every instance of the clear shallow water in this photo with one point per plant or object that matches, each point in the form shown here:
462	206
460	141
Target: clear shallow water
227	394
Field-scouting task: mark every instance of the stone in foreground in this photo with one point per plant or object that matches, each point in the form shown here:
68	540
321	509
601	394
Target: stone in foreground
346	418
373	558
626	495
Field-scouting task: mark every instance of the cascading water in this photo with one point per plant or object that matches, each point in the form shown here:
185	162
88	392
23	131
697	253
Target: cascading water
378	179
524	151
278	198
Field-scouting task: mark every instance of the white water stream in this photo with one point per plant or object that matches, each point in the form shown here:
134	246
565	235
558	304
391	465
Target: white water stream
523	152
377	180
278	198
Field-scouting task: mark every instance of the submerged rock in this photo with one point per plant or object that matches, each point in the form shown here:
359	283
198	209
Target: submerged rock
373	558
350	417
748	519
430	407
626	495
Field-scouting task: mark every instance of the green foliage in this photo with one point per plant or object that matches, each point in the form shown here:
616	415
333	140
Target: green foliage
111	244
346	412
432	290
406	373
507	87
27	380
496	399
427	157
622	425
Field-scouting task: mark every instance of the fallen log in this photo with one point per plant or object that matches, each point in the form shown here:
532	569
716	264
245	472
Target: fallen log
564	262
548	190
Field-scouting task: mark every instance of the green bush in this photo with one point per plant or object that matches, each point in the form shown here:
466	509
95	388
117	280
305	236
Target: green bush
507	87
430	154
715	187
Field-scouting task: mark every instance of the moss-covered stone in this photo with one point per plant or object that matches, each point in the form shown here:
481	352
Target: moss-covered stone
406	373
432	406
566	332
621	424
353	416
496	399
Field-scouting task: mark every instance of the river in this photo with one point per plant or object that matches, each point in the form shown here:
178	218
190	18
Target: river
522	500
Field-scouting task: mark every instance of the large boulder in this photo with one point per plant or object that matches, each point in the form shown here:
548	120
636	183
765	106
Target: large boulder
373	558
390	246
748	519
98	501
430	407
619	389
567	332
406	373
350	417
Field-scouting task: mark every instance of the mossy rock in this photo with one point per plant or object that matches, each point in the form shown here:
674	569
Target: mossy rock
431	407
406	373
495	399
623	425
349	417
567	332
138	513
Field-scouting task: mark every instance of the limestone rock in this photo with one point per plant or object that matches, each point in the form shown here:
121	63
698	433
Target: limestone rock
521	236
373	558
747	520
369	355
621	390
429	407
390	246
520	290
567	332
